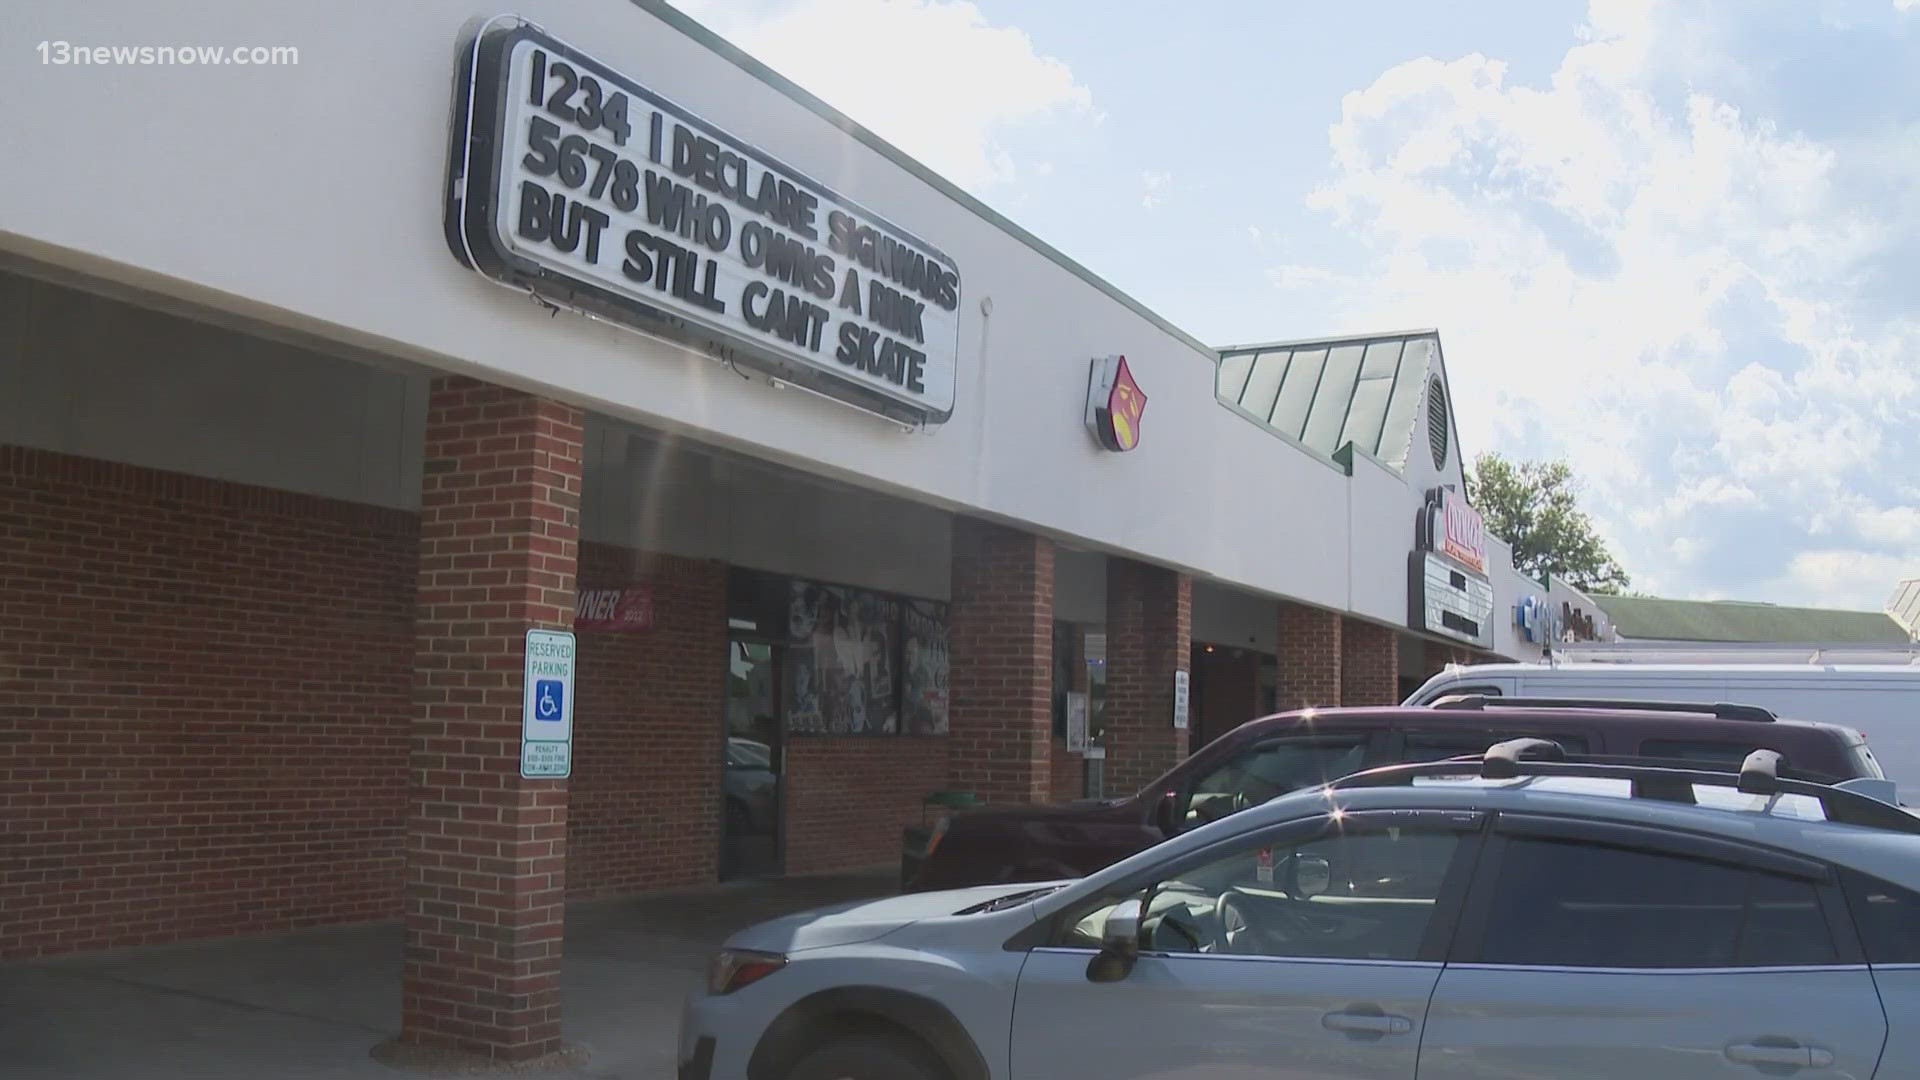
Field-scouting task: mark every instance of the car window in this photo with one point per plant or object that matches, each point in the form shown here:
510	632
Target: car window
1887	916
1440	745
1569	904
1271	769
1863	761
1446	693
1358	896
1729	754
742	753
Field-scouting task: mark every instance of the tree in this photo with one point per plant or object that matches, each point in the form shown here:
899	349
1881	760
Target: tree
1531	506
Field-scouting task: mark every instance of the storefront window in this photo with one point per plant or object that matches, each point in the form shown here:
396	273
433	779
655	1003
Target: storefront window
855	662
925	643
842	661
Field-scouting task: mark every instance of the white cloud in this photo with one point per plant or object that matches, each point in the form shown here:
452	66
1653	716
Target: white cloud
1155	186
1842	578
1653	284
962	80
1300	277
1905	5
1892	526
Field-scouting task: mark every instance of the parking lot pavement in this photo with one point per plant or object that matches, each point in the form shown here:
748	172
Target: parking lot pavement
311	1005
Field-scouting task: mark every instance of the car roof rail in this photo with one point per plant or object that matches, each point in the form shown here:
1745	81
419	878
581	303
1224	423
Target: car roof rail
1722	710
1759	774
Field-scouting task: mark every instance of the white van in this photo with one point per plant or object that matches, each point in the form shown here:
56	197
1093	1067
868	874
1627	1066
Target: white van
1882	701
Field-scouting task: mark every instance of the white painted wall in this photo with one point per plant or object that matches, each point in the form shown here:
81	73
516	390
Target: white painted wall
1380	514
309	196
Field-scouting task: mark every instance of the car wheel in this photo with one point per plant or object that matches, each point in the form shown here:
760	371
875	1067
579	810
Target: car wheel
868	1058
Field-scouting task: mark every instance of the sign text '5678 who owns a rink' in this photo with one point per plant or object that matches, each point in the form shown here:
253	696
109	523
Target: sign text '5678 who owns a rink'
583	185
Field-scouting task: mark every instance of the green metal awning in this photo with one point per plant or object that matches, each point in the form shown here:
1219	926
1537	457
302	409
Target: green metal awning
1330	392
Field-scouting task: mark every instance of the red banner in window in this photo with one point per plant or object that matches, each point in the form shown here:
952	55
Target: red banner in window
629	609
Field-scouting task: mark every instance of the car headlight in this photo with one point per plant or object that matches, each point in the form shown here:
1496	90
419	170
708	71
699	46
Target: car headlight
735	968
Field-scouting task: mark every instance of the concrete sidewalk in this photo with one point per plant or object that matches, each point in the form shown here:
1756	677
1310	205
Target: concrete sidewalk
311	1005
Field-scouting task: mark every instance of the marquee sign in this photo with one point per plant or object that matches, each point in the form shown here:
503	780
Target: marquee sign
1449	592
592	190
1460	533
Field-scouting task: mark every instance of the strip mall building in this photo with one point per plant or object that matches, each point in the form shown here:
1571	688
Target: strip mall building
323	387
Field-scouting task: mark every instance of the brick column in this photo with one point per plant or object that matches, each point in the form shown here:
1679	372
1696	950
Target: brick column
486	850
1369	664
1309	657
1149	637
1000	713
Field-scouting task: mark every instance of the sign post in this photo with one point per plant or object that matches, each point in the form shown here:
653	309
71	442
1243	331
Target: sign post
546	722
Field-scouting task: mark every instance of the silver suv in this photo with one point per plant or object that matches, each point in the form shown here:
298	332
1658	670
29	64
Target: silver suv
1516	914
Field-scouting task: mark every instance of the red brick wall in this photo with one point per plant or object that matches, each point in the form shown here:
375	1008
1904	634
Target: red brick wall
1437	656
1001	721
1310	656
1369	664
647	763
1069	775
1149	637
849	797
204	700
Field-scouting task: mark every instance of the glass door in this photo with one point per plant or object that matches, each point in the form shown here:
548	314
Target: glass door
755	760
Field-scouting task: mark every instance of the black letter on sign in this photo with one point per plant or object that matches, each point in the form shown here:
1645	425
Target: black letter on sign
535	221
638	267
753	289
849	348
850	292
596	220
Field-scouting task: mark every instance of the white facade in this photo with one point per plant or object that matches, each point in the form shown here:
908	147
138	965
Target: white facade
308	199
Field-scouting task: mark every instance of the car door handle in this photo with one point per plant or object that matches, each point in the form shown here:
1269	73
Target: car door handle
1784	1053
1366	1023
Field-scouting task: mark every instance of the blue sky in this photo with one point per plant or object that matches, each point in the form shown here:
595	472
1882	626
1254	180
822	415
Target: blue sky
1677	245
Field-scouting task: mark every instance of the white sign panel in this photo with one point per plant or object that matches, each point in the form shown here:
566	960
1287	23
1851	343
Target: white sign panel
1180	699
546	724
1076	722
593	189
1449	600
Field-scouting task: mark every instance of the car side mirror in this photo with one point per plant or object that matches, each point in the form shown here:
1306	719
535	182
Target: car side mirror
1164	812
1312	875
1119	943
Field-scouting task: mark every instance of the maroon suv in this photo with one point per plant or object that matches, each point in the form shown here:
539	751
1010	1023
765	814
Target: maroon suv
1266	758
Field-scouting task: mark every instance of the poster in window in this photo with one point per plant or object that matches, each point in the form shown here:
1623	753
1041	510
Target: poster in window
926	642
842	661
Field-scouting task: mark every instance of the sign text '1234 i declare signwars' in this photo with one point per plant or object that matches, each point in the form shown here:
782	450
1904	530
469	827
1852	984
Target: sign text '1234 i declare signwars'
576	182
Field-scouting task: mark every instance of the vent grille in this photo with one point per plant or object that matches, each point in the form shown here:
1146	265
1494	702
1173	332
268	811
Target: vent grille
1437	432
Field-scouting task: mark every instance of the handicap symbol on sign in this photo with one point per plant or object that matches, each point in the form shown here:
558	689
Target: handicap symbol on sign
549	699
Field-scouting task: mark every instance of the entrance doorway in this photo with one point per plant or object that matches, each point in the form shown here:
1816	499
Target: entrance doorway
750	828
1231	686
